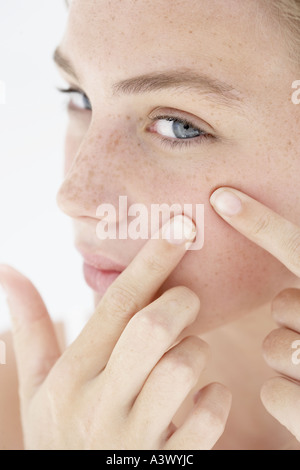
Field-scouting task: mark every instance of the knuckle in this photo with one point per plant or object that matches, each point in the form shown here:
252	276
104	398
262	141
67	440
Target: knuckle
197	344
151	326
284	302
200	350
273	343
214	421
293	251
285	296
186	371
190	440
279	302
121	299
262	225
180	367
155	265
269	391
181	300
184	295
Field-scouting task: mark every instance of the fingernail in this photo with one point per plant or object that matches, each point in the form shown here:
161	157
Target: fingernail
179	230
226	202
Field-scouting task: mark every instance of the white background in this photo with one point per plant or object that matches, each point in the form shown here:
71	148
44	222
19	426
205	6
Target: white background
35	237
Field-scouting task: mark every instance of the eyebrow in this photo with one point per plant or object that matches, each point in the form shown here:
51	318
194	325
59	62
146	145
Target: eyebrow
177	79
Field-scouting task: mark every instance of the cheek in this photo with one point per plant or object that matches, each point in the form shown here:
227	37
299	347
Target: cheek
231	275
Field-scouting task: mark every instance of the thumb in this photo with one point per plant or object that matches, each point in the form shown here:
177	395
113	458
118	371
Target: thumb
35	343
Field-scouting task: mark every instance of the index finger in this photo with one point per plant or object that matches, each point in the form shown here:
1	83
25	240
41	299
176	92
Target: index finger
131	291
260	224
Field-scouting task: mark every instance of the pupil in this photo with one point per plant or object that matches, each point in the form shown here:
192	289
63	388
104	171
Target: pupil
183	130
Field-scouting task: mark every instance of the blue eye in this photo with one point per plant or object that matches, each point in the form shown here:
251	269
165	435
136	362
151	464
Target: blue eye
176	129
78	99
177	132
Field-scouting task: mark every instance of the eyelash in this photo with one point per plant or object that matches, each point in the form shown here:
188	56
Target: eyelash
164	142
179	143
69	91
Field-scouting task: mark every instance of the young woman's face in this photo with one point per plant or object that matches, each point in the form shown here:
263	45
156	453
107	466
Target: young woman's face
223	68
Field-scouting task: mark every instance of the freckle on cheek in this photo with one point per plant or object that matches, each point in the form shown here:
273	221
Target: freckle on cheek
92	140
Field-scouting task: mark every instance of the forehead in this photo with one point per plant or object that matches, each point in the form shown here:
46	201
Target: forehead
131	37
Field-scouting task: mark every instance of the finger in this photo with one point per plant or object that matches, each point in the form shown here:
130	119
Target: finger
148	335
281	398
279	352
131	292
35	341
206	423
286	309
166	388
291	445
260	224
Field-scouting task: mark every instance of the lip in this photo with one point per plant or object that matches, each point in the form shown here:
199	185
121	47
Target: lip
98	279
100	262
99	272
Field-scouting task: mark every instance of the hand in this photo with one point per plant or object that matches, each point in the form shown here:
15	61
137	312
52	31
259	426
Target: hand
281	238
120	383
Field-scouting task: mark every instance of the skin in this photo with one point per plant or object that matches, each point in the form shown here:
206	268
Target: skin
117	149
237	273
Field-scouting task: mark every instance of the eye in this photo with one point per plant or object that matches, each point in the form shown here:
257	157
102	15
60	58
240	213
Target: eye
175	128
78	100
175	131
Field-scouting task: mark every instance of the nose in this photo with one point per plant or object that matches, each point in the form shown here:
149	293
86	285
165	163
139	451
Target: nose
91	180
